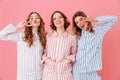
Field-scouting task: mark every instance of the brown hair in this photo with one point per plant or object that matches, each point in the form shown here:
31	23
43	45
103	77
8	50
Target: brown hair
66	22
76	29
29	38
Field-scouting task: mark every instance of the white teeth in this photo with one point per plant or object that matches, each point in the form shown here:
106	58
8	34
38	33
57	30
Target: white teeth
58	23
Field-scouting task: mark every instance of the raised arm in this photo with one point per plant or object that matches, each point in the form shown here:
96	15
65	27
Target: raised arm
108	22
8	33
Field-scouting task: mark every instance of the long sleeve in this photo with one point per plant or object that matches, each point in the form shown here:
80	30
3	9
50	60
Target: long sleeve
73	50
44	56
108	22
8	33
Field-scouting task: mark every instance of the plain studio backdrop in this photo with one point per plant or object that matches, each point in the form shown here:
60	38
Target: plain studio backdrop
14	11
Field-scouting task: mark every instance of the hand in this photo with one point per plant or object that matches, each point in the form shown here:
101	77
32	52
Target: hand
23	24
68	61
90	19
48	61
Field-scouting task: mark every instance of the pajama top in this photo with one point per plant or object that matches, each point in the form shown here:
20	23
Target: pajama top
89	55
58	48
28	58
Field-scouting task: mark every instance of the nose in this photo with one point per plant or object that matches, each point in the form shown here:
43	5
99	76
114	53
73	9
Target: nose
34	19
58	18
83	21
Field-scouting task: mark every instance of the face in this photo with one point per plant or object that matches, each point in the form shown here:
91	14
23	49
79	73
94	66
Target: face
81	22
34	20
58	20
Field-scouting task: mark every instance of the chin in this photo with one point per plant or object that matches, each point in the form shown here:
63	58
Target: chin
35	25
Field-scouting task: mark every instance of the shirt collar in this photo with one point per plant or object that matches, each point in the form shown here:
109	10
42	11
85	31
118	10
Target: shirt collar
83	31
64	34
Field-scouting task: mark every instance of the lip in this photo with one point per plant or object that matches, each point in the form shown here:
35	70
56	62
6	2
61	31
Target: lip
58	23
82	26
35	22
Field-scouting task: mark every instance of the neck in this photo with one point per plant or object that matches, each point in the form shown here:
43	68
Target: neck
60	30
34	29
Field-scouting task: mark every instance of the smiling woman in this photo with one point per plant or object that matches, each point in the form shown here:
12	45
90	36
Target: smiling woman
17	10
30	45
88	58
60	50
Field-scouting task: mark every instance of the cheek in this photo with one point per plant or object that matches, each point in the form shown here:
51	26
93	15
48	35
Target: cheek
31	22
78	26
63	21
54	22
38	21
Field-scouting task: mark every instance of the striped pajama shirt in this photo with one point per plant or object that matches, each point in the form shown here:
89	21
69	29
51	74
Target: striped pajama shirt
89	55
58	48
28	59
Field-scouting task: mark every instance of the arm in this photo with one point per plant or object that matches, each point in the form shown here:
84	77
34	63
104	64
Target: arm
8	33
45	58
71	58
108	22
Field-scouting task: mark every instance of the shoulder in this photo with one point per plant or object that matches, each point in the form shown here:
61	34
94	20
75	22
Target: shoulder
71	34
97	28
21	34
49	33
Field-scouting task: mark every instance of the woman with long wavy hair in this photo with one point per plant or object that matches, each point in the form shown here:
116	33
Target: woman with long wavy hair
30	44
89	55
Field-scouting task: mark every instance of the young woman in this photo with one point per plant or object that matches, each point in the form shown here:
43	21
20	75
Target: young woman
88	58
30	45
60	50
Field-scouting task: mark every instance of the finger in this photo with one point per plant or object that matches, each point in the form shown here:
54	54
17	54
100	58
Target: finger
29	21
24	22
88	16
28	25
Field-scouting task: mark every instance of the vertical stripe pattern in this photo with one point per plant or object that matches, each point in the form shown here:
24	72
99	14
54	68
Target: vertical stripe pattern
89	55
87	76
28	59
59	47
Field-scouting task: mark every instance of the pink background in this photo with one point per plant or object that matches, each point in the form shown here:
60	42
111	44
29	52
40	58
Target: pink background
17	10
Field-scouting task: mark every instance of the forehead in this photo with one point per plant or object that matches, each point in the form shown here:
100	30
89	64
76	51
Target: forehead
34	15
78	17
57	15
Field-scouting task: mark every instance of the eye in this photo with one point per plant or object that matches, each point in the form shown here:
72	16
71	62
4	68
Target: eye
80	19
37	17
60	17
54	18
31	18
